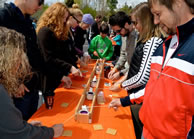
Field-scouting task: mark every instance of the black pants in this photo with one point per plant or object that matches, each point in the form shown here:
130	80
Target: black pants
138	126
117	50
116	53
27	104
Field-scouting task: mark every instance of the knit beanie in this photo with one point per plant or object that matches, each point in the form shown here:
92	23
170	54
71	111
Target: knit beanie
87	19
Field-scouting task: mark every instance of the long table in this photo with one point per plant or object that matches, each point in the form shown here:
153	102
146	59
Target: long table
120	120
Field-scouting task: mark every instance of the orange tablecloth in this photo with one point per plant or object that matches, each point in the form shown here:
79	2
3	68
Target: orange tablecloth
120	120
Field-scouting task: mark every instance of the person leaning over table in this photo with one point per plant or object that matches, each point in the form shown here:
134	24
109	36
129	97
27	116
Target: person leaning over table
168	105
14	68
81	31
17	16
121	23
101	45
138	74
52	30
73	21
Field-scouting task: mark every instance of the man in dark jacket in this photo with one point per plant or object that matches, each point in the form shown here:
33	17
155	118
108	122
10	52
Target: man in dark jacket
95	28
16	16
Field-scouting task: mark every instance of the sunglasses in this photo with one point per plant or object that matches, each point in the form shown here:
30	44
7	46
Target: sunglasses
118	31
76	19
41	2
134	23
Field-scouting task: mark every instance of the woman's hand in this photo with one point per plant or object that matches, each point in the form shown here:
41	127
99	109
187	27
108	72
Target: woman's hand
76	72
58	130
67	81
21	91
115	103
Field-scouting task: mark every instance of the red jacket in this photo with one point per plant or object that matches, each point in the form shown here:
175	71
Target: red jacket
169	94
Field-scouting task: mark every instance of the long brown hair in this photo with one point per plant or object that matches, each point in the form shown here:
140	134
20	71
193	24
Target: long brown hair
149	29
53	18
14	65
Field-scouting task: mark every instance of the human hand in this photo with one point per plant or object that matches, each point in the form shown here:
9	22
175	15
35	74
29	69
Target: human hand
58	130
115	103
83	64
67	81
95	53
35	123
76	72
115	87
110	74
21	91
115	76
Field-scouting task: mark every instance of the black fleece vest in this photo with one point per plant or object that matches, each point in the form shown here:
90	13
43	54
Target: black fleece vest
135	64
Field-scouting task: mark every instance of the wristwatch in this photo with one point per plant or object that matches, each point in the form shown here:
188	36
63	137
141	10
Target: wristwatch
121	73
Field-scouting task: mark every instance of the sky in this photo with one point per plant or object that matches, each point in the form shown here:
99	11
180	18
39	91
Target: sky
120	2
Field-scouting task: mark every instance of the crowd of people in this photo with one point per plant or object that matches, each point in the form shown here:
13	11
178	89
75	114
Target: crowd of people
152	52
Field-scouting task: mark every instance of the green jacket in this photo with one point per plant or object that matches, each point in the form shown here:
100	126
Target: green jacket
103	46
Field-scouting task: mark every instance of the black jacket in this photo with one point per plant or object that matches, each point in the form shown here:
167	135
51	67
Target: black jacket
12	18
136	64
94	30
70	44
57	56
80	37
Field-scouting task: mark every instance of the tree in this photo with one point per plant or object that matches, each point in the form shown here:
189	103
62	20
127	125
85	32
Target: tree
69	3
78	2
127	9
39	13
112	4
2	3
90	10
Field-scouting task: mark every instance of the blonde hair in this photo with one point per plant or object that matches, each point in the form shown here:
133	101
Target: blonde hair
53	18
14	65
75	12
75	6
149	29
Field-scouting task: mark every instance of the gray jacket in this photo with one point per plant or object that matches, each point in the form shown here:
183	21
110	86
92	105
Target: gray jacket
12	126
126	53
